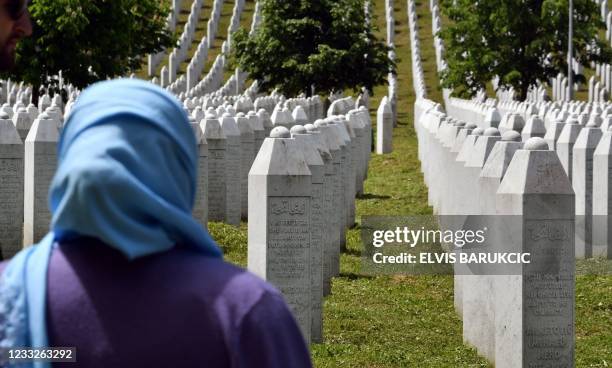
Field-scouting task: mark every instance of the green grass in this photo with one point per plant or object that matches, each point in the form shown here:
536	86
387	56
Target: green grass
409	321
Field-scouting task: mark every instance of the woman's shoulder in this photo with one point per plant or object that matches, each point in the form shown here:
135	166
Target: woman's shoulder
178	273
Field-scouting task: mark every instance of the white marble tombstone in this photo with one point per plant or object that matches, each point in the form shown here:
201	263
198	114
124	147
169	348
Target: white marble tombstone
11	188
248	153
44	102
602	197
336	226
217	181
33	112
264	117
7	109
313	158
22	122
345	146
347	132
533	128
233	169
280	198
582	182
493	118
449	195
299	115
40	163
358	156
474	284
531	330
492	173
367	141
512	122
200	208
258	129
460	202
384	127
553	132
565	144
329	180
280	118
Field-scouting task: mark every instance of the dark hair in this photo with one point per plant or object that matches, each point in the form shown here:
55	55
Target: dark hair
16	8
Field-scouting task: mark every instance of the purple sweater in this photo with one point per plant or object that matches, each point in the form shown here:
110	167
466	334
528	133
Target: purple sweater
176	309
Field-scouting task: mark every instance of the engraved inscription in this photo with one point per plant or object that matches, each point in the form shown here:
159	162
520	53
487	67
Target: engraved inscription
288	266
11	198
232	169
548	294
216	185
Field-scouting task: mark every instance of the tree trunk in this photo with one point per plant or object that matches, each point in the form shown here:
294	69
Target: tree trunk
35	95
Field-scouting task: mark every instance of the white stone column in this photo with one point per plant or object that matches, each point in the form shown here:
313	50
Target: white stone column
280	200
40	163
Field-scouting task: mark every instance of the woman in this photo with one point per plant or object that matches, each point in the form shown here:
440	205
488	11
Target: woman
126	275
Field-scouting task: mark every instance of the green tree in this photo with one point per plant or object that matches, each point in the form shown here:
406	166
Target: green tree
520	41
90	40
320	44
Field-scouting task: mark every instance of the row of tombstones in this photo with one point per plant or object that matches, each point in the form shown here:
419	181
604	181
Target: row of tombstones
28	138
578	136
418	75
309	202
522	318
191	82
301	200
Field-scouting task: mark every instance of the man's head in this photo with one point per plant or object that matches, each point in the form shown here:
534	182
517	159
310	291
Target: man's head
15	24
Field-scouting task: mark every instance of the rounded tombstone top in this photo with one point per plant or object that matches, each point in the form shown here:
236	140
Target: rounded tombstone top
4	116
591	124
478	131
252	113
511	136
491	132
280	132
595	119
320	123
572	121
471	126
240	115
311	128
298	129
226	115
210	115
536	144
262	111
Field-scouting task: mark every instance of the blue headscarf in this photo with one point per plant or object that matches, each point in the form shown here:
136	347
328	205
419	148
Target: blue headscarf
127	174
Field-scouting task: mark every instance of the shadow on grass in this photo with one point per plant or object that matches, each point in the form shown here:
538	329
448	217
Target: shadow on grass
352	252
373	196
354	276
